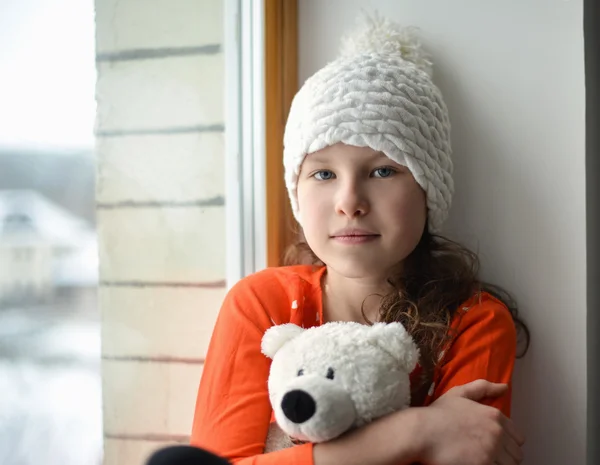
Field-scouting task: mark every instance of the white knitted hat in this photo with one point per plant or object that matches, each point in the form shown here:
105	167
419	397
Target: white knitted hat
377	94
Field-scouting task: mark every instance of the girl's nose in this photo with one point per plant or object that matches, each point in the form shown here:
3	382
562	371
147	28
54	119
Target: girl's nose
351	201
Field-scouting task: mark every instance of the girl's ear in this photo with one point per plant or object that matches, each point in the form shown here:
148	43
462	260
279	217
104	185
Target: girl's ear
277	336
395	340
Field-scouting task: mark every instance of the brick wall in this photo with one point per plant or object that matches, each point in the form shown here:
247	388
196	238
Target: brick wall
160	213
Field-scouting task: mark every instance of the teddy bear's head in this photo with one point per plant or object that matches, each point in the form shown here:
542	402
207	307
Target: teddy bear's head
331	378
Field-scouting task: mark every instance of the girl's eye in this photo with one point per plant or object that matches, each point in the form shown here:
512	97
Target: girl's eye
330	373
300	372
323	175
384	172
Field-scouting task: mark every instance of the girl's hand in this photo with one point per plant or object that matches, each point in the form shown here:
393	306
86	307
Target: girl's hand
457	430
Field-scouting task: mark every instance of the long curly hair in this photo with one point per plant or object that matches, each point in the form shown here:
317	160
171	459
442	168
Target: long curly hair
434	280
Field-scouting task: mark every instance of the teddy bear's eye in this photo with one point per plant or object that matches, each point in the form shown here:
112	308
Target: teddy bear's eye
330	373
300	372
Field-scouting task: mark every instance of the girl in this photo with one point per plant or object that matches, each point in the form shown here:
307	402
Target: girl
368	171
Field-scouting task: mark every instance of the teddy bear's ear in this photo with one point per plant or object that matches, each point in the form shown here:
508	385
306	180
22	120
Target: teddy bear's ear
276	336
395	340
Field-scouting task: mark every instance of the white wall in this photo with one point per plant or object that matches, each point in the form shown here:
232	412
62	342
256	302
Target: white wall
512	73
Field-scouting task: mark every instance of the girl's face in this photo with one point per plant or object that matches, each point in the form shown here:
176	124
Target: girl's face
361	212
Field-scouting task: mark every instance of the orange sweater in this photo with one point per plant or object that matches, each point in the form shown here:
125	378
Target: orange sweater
233	411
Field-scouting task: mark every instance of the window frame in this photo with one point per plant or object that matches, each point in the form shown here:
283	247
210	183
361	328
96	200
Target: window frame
281	63
261	79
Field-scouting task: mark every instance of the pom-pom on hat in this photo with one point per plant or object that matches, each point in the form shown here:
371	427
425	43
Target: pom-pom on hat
378	93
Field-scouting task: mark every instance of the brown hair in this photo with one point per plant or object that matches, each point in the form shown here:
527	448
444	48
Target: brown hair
435	279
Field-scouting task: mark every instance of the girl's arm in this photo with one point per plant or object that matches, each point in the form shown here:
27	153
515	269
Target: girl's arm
233	411
484	347
391	440
455	430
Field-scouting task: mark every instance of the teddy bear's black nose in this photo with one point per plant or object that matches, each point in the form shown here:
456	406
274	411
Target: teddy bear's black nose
298	406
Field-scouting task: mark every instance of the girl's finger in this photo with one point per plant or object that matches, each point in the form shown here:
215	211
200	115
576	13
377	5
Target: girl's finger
512	431
513	449
504	458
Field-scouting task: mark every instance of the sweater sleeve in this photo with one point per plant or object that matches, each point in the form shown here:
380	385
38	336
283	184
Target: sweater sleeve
484	347
233	411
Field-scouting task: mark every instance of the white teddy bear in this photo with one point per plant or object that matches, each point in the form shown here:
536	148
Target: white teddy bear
331	378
